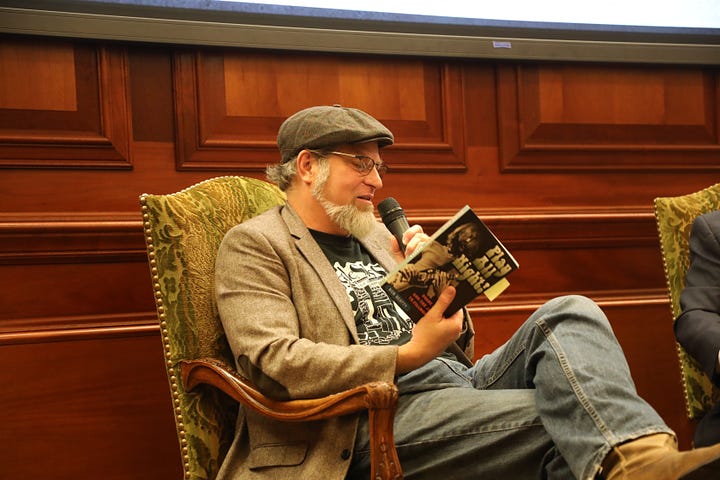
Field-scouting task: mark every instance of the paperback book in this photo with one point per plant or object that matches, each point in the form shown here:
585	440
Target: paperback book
463	253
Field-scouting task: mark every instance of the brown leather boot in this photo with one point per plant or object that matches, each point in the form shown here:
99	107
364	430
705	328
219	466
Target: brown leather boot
656	457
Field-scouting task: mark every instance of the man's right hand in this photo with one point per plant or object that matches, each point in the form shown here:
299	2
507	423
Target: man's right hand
432	334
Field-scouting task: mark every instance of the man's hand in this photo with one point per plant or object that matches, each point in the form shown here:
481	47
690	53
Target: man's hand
412	238
432	335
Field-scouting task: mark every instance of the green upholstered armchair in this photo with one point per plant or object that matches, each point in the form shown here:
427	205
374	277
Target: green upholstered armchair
674	216
183	231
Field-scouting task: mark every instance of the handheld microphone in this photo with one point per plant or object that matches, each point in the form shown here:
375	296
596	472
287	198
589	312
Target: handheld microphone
394	219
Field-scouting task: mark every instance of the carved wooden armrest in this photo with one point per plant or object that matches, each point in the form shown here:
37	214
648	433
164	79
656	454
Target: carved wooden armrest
378	398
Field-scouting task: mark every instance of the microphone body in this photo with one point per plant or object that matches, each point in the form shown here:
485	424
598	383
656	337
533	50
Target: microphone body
394	219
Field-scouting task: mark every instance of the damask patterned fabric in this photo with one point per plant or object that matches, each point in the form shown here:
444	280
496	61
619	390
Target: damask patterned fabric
674	217
183	231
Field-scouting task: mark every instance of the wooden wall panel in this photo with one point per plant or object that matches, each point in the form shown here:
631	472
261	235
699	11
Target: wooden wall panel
63	105
588	117
87	408
230	105
562	160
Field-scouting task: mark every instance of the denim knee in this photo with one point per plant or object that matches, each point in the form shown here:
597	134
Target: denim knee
575	306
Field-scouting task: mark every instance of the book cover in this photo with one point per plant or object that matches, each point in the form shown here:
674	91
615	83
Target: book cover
463	253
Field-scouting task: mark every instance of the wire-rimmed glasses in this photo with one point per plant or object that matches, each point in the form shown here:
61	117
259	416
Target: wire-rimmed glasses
362	163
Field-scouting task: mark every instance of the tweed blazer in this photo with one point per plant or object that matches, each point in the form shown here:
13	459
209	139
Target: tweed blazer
698	326
292	330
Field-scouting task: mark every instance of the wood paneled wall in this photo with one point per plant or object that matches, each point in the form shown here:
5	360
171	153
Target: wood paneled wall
561	159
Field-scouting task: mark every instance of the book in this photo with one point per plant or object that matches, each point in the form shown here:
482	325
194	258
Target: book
463	253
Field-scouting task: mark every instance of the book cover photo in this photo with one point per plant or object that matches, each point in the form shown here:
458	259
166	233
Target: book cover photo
463	253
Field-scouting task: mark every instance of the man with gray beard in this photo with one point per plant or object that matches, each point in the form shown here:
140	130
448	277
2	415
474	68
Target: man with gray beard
299	298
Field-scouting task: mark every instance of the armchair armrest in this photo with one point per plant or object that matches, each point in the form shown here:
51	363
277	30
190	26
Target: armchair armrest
379	398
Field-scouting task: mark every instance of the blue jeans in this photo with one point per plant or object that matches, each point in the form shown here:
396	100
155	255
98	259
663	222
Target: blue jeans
549	403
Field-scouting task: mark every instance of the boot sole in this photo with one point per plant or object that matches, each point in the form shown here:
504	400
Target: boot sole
709	471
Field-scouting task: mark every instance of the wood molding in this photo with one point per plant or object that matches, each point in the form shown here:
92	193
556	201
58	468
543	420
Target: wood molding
81	327
91	131
632	119
555	228
56	238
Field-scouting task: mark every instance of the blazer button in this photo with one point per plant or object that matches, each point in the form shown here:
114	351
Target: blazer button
345	454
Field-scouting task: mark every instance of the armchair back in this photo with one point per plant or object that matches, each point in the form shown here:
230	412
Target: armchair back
183	231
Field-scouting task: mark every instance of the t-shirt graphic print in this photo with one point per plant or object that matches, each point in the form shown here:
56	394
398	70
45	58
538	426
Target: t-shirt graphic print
378	319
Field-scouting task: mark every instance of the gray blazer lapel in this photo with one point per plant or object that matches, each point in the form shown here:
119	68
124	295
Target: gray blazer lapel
315	257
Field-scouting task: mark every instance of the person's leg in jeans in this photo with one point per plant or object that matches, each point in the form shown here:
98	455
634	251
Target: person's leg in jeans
563	392
568	354
447	430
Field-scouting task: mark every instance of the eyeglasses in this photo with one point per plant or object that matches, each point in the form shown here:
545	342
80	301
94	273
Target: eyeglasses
363	164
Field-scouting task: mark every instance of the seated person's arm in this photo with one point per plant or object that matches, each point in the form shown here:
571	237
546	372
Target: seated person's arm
283	326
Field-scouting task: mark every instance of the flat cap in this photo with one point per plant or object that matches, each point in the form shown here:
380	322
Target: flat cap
325	126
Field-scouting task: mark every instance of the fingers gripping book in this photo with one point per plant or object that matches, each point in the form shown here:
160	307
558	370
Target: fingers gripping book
463	253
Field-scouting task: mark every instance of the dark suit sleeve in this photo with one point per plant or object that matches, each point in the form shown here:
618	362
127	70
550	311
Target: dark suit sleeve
698	326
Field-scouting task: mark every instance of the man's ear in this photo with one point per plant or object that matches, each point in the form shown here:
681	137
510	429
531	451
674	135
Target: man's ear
306	166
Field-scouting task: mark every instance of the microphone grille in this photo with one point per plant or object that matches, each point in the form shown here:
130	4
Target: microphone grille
388	206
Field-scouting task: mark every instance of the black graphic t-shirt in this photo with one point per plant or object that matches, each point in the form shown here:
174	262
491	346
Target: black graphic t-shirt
379	321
